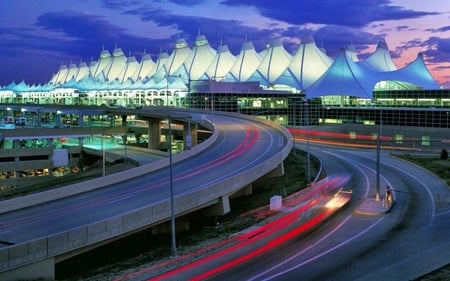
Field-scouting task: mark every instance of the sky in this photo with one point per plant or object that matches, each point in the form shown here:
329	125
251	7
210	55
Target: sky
37	36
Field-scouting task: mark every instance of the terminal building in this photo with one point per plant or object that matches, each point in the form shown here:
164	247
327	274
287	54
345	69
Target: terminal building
343	95
271	82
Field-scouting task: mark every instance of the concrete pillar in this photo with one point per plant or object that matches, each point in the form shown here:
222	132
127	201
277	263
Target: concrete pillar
80	120
16	143
39	119
138	138
221	208
80	141
277	172
50	142
125	139
154	133
246	190
124	120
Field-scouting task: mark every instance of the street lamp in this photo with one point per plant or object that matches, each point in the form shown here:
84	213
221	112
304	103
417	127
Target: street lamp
308	157
213	78
103	155
172	211
380	130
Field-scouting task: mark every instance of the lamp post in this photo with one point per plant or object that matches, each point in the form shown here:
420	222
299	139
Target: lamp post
213	78
308	158
380	130
172	211
103	156
167	92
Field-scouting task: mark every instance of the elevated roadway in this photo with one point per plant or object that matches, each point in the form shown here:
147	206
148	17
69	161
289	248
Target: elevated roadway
39	230
405	243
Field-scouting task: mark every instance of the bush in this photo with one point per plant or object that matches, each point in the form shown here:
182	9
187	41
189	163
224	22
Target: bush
444	154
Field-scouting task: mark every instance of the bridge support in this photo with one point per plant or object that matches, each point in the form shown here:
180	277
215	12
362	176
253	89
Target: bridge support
247	190
221	208
154	133
277	172
41	270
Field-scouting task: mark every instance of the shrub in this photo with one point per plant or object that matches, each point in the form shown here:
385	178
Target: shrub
444	154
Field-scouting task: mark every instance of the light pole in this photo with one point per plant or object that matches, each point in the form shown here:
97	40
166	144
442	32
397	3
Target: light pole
211	88
308	157
380	130
172	211
103	156
167	92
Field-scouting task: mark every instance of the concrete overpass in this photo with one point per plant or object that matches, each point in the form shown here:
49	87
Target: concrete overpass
39	230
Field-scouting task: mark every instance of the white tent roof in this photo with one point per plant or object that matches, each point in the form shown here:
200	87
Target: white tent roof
103	63
83	71
129	70
118	63
345	77
180	53
246	62
221	64
200	58
415	73
380	60
147	68
309	62
72	73
275	62
350	51
308	68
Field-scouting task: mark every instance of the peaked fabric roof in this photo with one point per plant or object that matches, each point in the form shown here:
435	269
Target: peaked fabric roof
344	77
246	62
275	61
308	68
309	62
221	64
415	73
380	60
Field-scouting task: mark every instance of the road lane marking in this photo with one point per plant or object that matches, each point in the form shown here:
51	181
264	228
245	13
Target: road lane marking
121	199
317	256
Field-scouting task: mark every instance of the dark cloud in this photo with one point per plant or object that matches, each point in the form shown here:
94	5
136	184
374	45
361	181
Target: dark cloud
188	2
334	12
438	50
441	29
230	32
89	33
119	4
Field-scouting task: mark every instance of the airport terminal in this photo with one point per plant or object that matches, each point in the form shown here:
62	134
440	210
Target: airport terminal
104	107
345	96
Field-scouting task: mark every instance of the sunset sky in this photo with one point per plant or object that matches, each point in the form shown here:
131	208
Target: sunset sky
37	36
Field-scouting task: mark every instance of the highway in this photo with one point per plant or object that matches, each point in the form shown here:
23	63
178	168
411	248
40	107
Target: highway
241	145
403	244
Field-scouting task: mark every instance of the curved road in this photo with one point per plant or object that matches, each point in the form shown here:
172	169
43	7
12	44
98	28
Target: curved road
403	244
241	144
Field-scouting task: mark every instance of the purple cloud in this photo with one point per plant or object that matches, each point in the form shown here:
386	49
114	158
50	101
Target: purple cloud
335	12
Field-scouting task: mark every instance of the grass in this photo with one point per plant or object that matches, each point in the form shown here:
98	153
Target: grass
434	164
